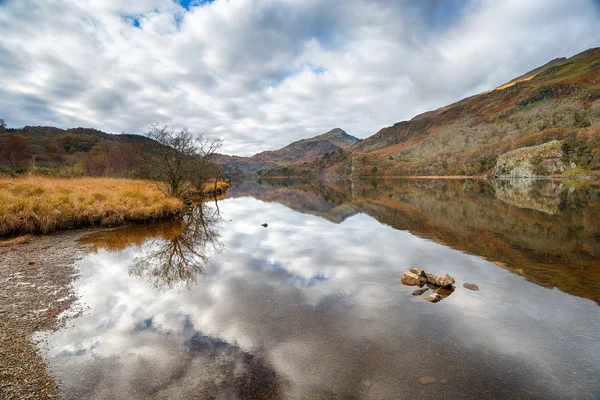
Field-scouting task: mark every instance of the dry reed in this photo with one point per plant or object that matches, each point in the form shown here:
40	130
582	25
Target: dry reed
41	204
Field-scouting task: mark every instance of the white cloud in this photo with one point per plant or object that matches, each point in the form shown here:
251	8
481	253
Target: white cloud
261	74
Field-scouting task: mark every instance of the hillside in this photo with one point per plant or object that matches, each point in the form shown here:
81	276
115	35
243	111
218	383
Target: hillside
557	101
71	152
300	151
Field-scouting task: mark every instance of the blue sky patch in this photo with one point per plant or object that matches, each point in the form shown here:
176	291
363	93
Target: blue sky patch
133	20
188	4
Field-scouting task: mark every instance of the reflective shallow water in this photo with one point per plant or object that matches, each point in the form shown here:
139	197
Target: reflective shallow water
313	307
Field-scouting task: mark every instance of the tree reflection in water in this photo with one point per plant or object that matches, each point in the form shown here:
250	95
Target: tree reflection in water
179	260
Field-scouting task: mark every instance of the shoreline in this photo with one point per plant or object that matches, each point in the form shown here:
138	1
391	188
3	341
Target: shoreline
42	205
593	178
37	288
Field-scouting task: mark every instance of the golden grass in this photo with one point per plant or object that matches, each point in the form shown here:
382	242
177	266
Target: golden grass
43	204
222	186
14	241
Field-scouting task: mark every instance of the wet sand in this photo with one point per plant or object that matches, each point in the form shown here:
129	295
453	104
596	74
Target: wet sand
35	288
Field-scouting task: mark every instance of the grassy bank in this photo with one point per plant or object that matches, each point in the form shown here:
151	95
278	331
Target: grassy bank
43	204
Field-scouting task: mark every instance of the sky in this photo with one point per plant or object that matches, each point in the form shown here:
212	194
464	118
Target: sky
263	73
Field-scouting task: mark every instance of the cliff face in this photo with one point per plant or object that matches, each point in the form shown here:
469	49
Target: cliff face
526	162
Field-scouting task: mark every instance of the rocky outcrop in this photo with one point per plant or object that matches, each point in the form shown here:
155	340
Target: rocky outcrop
527	162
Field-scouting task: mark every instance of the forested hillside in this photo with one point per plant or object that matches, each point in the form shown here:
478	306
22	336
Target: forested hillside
72	152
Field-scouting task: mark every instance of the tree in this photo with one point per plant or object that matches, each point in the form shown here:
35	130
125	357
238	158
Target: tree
178	156
14	149
2	124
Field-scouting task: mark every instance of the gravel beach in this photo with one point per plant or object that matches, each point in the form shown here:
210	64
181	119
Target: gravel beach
35	287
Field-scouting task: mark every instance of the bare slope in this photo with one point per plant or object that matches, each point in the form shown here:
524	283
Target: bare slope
299	151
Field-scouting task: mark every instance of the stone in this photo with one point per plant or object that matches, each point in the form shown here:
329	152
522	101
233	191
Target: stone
265	225
418	271
445	280
431	278
426	380
419	292
433	297
444	291
367	383
409	278
470	286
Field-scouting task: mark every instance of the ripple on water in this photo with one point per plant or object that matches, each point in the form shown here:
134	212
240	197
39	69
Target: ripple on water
370	294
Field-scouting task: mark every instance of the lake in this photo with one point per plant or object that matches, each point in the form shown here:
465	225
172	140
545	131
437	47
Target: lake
312	306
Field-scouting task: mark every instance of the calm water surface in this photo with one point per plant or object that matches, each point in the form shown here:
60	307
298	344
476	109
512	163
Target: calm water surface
313	306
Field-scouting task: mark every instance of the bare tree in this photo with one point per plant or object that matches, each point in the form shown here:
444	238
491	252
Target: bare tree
2	124
179	156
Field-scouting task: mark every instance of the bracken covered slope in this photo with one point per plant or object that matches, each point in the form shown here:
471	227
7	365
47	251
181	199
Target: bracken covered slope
558	101
299	151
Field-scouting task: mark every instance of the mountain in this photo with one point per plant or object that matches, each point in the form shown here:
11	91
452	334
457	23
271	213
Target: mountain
557	101
300	151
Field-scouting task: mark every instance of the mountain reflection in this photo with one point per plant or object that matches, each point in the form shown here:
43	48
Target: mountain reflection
546	231
169	254
309	308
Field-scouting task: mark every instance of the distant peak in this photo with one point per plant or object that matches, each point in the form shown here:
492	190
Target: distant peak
338	133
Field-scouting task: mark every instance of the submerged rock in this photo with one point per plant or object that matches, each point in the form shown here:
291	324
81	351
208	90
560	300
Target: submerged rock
433	297
470	286
444	291
411	278
419	292
426	380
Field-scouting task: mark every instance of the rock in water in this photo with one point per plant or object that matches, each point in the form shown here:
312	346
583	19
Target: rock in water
433	297
419	292
265	225
444	280
418	271
444	291
410	278
471	286
431	278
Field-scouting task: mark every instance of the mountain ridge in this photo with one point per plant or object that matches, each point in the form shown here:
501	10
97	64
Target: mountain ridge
559	100
302	150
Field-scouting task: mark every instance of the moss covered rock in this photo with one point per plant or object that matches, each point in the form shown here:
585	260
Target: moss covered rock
525	162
